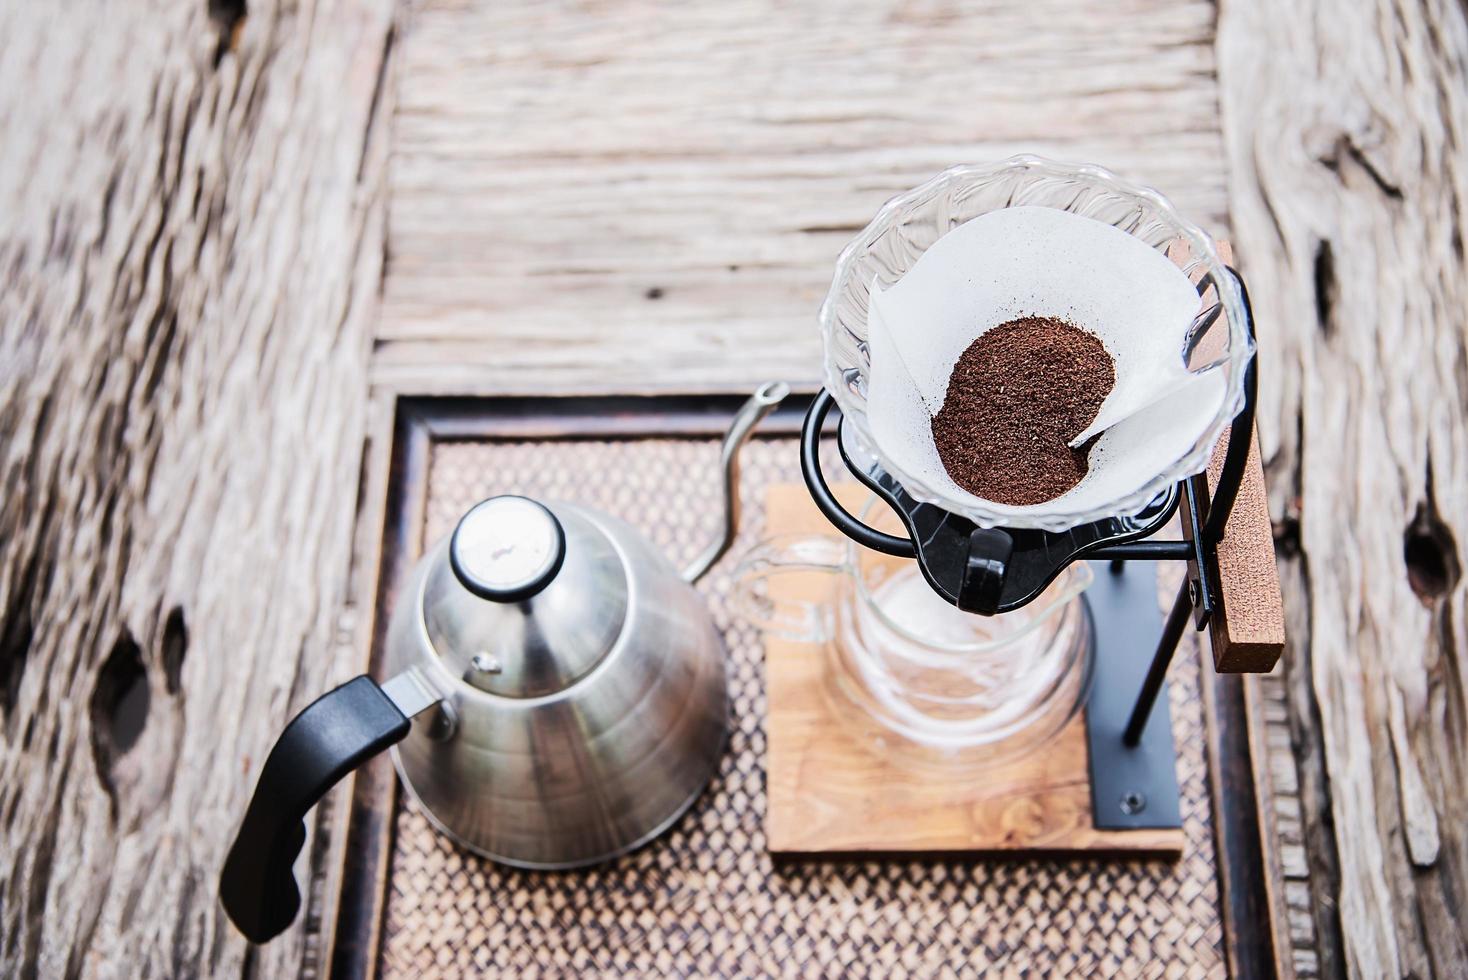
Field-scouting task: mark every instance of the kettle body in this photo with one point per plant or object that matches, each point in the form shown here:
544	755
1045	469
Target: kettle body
557	697
578	773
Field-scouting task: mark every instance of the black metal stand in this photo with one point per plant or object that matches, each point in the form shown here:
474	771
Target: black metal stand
994	570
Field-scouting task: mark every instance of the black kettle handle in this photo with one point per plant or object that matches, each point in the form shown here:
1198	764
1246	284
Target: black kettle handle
329	738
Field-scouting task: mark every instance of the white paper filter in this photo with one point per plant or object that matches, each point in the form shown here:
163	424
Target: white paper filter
1035	261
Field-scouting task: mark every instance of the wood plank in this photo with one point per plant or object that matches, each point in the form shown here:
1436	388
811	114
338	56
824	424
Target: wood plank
1345	126
192	238
828	793
1256	934
655	201
1277	789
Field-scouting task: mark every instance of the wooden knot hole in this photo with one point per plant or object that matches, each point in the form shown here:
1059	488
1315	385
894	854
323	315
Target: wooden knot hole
1431	555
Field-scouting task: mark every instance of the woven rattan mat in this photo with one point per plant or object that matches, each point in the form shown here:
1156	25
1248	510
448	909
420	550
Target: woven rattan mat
706	899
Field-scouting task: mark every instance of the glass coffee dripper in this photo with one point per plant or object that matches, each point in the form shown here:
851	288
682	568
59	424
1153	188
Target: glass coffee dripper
1212	338
912	674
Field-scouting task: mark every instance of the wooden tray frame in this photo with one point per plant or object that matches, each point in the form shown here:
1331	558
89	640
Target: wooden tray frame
351	876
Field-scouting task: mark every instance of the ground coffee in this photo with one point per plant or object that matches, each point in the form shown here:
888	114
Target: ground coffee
1016	398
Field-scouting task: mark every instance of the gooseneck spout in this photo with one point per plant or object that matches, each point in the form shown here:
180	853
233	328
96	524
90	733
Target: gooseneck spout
761	403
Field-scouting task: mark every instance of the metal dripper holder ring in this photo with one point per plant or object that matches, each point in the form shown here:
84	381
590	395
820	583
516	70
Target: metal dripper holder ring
980	570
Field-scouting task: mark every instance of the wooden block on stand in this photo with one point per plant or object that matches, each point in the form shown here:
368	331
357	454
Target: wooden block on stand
1247	629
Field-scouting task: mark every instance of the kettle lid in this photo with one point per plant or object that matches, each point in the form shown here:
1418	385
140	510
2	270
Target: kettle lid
529	600
507	548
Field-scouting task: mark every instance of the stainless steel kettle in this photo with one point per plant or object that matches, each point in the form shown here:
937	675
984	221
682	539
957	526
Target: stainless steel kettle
569	688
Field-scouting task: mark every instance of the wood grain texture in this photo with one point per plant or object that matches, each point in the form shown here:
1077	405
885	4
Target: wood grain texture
830	793
1346	128
642	197
192	205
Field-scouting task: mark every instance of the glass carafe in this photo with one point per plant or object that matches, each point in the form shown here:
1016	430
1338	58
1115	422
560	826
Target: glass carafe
912	675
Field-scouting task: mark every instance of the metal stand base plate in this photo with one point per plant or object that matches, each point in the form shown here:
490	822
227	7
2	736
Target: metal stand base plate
1131	787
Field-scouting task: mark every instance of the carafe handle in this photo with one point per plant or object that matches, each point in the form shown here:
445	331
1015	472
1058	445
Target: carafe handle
789	616
331	736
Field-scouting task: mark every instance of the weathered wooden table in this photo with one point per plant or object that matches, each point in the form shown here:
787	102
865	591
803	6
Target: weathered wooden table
232	234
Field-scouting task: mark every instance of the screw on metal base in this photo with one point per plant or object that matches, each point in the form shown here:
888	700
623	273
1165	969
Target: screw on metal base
1133	802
